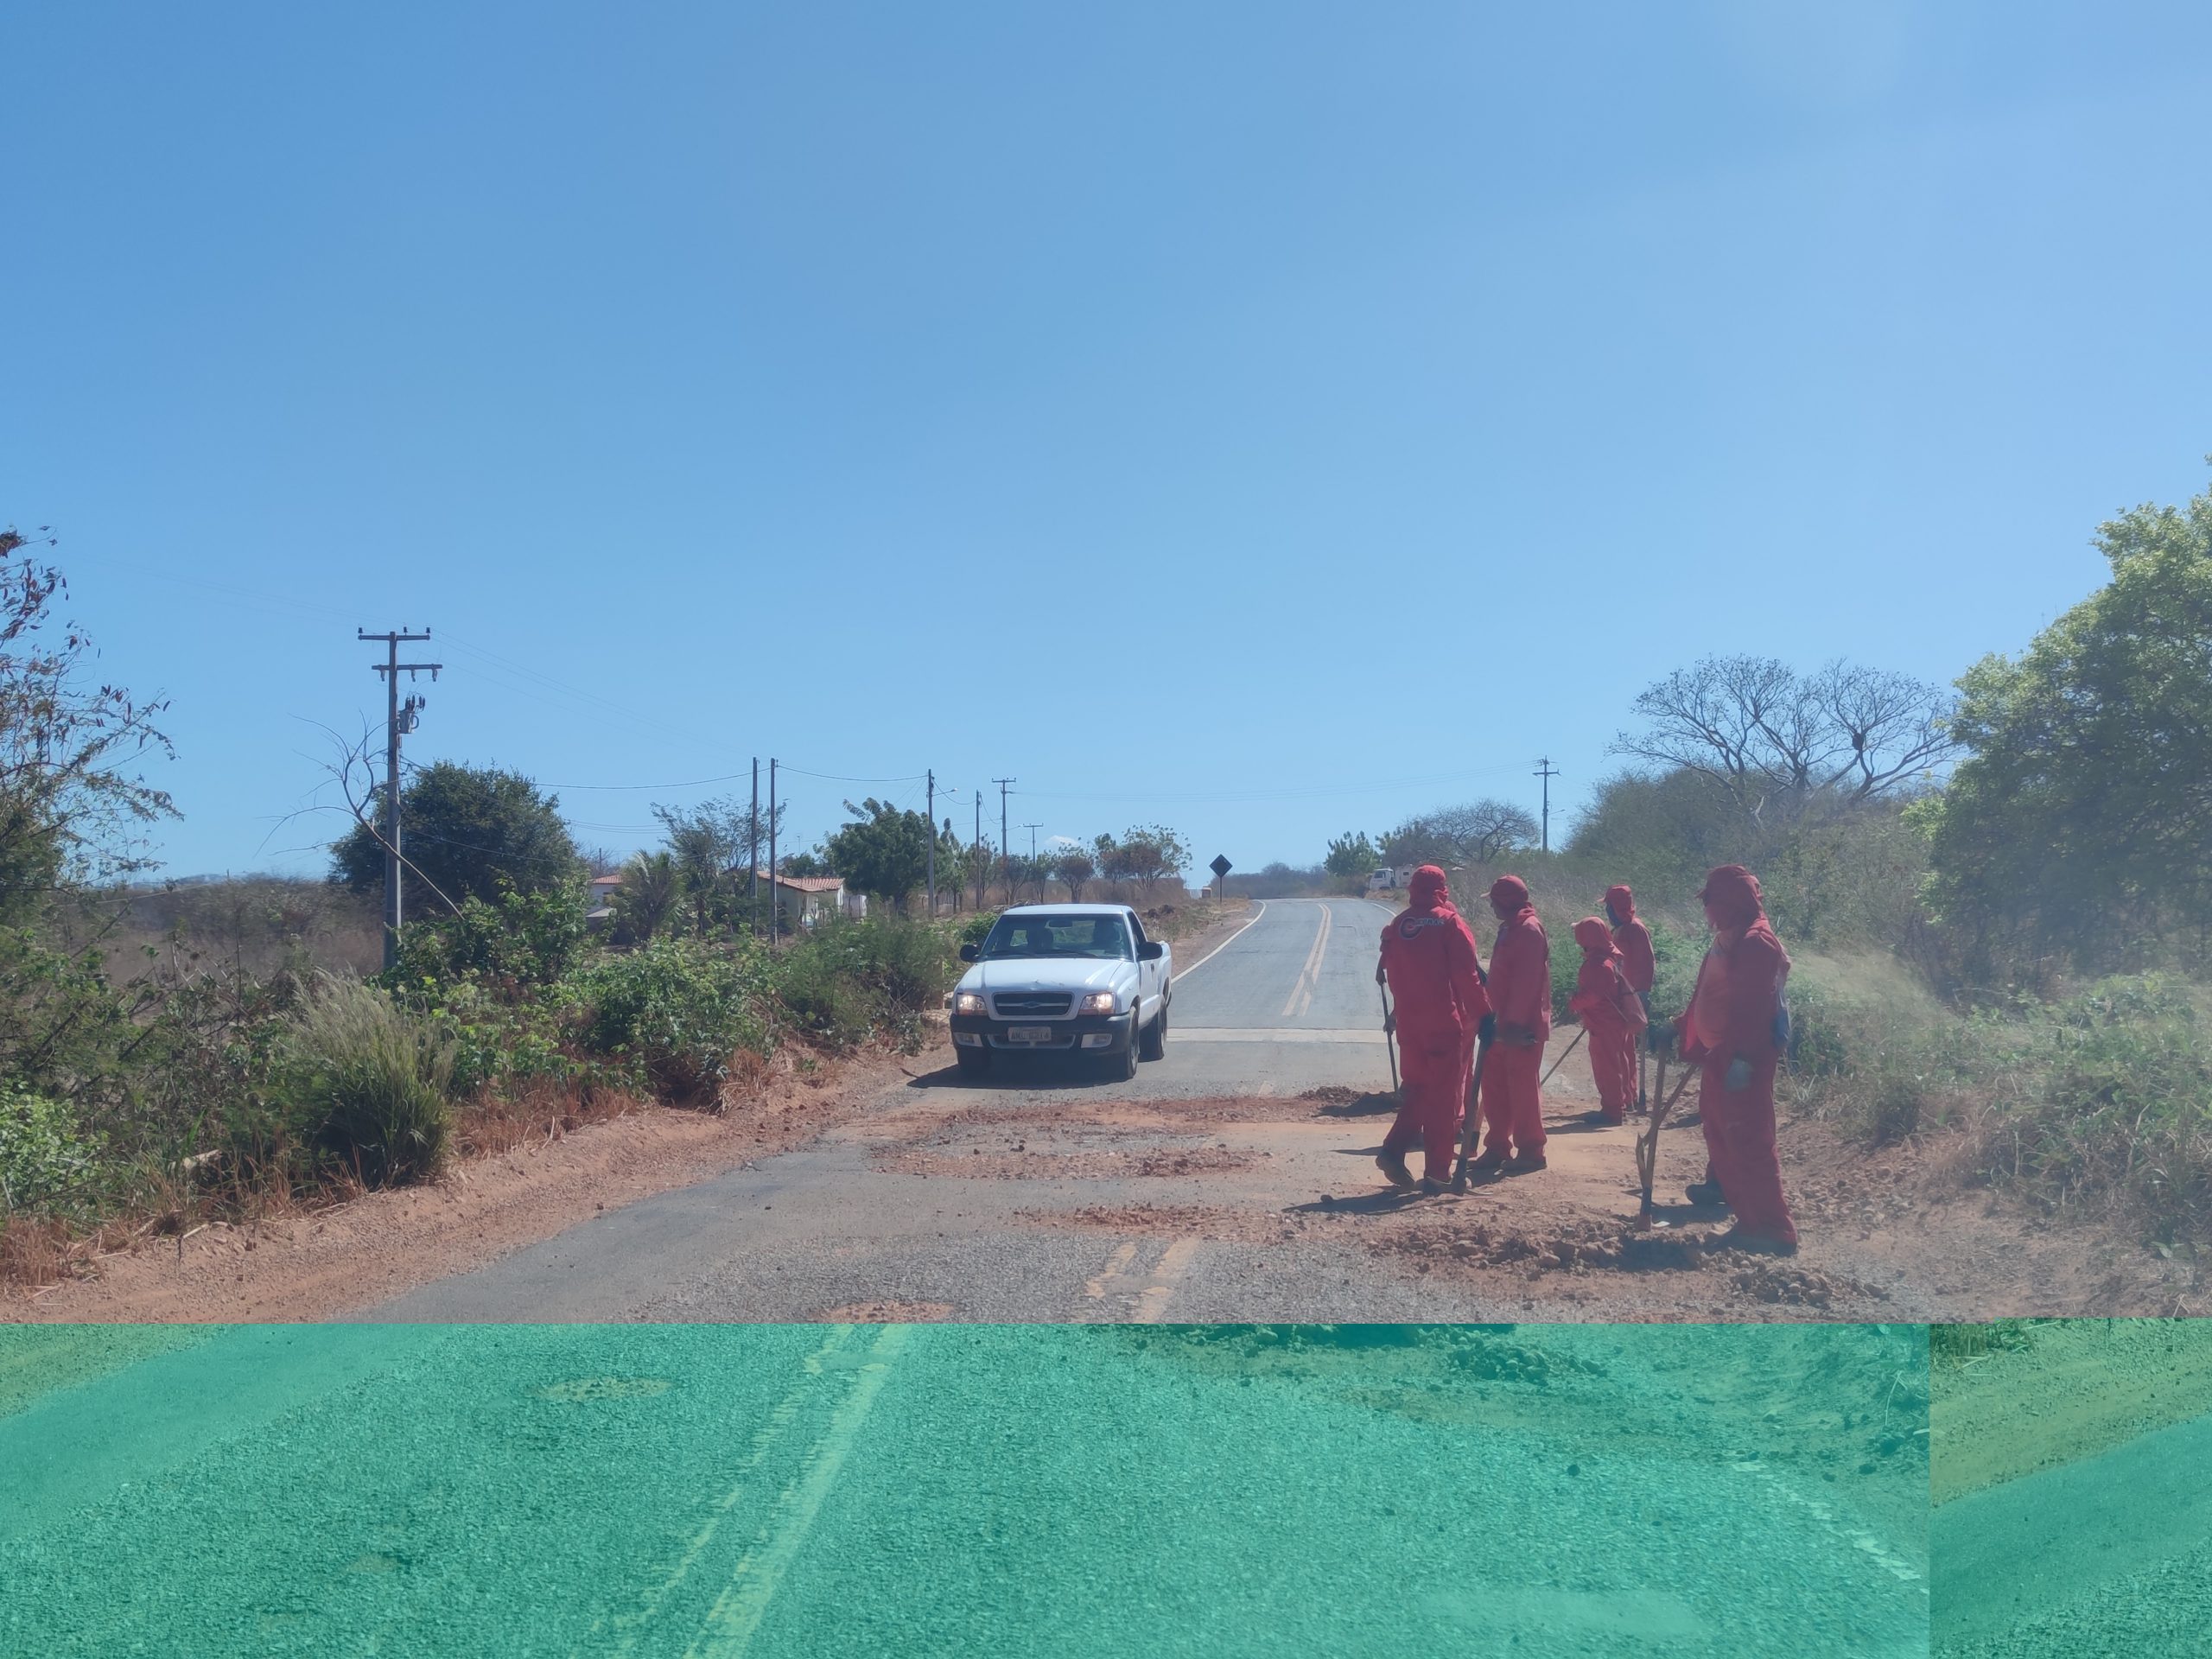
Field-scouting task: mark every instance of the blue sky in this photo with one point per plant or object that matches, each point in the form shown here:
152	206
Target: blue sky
1265	419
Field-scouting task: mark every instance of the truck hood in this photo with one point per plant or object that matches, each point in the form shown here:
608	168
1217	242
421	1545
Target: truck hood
1049	973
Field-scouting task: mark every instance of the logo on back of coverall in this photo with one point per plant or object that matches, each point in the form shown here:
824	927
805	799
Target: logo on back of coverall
1410	926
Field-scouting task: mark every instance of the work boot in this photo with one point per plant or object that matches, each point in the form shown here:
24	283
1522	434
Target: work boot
1488	1164
1433	1188
1525	1163
1705	1195
1757	1243
1393	1165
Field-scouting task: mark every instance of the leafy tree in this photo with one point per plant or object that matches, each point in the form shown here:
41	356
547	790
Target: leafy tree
814	862
473	832
652	888
2083	813
1146	854
884	852
72	810
1351	854
1073	868
952	871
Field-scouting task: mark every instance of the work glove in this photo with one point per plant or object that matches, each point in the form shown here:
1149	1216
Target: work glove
1389	1025
1488	1030
1659	1037
1738	1076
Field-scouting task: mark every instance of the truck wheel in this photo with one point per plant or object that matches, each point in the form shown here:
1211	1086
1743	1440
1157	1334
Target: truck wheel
1122	1067
974	1062
1152	1044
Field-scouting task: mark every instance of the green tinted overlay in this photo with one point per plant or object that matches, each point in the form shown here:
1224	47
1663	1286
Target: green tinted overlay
825	1489
2071	1471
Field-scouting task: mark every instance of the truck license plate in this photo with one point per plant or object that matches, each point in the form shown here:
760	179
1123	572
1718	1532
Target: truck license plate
1029	1034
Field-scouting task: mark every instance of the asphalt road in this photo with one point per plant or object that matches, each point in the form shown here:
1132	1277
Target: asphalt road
833	1490
2109	1556
1287	1004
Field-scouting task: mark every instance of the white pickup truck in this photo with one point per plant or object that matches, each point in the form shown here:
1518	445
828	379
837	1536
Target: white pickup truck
1070	978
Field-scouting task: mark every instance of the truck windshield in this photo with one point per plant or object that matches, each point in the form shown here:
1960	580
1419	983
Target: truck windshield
1057	935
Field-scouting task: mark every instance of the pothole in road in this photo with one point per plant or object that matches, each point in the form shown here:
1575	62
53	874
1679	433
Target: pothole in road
888	1313
579	1389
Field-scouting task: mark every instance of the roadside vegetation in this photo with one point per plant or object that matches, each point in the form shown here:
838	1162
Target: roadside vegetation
1997	897
172	1054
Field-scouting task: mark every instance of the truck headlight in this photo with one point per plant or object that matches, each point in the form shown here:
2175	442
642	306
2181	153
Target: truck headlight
1096	1002
969	1002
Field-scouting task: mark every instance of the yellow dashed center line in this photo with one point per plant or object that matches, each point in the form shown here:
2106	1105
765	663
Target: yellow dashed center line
1309	976
634	1625
1094	1287
1153	1303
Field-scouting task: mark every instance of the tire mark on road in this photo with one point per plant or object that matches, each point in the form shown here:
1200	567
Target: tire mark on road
737	1612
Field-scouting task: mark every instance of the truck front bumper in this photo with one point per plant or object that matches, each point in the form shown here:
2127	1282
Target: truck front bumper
1090	1034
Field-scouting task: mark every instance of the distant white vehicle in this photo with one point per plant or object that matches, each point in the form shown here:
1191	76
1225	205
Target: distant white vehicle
1075	978
1382	881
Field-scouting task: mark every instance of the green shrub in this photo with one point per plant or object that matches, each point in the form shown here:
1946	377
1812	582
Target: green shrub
1957	1344
849	980
45	1159
978	927
673	1013
368	1086
497	1041
2121	1105
523	942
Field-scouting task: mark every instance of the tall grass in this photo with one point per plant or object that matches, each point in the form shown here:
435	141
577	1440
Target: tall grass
367	1086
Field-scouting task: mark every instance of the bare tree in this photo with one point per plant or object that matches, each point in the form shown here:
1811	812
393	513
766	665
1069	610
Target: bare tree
1475	832
1777	740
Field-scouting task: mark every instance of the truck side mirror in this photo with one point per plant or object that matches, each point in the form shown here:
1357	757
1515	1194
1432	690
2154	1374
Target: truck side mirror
1151	950
969	953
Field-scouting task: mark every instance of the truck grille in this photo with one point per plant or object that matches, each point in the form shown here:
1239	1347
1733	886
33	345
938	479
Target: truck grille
1020	1005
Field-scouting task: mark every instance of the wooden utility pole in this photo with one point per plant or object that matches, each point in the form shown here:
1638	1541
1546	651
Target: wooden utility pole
1546	773
774	920
1005	848
930	817
398	719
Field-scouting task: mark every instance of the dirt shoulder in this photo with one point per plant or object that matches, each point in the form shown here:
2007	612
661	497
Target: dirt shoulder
325	1263
2073	1390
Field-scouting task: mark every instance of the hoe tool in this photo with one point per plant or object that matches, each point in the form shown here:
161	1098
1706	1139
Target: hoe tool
1470	1131
1647	1139
1389	1027
1563	1053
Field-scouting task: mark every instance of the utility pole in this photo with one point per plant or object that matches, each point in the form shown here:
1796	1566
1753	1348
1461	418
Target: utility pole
1032	828
978	859
752	854
1546	773
1005	848
773	918
930	815
398	719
